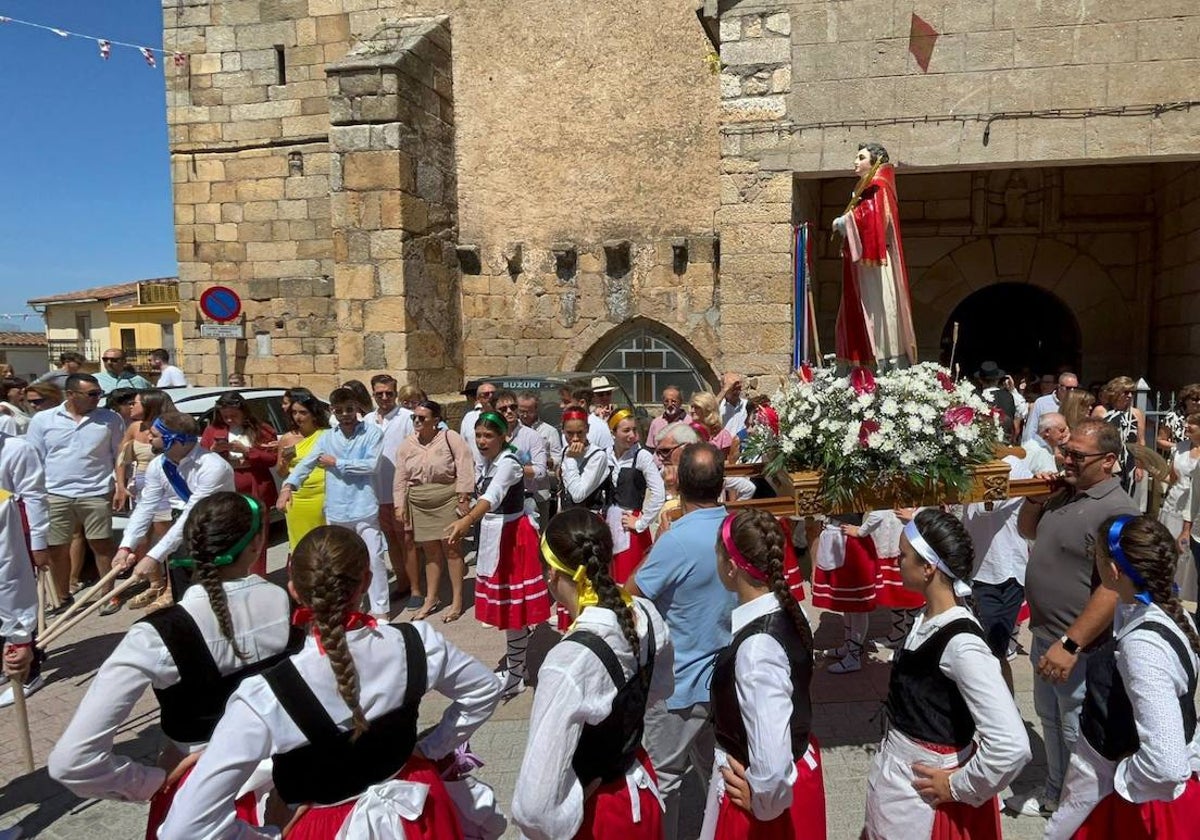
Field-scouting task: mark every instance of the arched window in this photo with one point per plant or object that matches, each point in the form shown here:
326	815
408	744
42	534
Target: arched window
646	362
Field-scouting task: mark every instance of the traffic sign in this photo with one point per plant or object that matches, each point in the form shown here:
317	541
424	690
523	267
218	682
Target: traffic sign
221	331
221	303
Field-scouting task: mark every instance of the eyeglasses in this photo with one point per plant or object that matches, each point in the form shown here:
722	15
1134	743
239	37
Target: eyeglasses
114	358
504	409
37	401
665	451
417	418
385	393
1077	457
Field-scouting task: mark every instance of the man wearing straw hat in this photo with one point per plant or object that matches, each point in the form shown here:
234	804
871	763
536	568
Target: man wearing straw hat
21	482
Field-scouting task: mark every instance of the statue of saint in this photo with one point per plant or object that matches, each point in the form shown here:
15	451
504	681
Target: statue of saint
874	322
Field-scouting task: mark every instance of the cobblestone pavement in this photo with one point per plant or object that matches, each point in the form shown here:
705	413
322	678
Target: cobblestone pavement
847	722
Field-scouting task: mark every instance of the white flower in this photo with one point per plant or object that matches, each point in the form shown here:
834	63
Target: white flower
889	407
913	422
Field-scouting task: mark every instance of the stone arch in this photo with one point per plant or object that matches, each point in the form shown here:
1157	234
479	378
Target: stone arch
1070	275
657	341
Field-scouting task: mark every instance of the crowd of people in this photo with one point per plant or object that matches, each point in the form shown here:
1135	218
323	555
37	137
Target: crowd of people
685	651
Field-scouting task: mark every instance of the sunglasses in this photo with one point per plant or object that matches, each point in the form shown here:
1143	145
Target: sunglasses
114	358
37	401
1080	457
417	418
504	409
385	393
93	394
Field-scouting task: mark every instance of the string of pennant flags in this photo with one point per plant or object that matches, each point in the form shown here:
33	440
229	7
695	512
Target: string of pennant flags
149	54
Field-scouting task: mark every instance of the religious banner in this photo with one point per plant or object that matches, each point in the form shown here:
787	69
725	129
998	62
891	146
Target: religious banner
802	314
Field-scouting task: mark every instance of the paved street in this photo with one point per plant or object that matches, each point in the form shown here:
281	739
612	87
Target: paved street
847	710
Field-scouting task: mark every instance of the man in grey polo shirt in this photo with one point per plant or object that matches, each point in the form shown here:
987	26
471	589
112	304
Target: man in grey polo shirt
1069	610
78	443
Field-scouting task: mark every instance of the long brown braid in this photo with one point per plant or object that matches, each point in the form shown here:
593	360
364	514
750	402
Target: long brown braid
579	537
329	567
215	525
759	537
1154	553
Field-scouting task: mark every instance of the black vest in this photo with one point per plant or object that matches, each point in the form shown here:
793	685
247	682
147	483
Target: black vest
514	499
630	492
191	708
607	749
598	499
331	767
1107	718
727	714
924	703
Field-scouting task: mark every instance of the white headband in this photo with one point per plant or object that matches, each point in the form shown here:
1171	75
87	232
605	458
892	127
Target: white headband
961	588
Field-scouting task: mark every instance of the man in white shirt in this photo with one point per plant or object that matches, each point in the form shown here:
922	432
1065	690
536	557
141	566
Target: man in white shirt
182	473
730	403
485	397
395	421
546	490
1047	403
169	376
1040	449
531	449
602	394
78	443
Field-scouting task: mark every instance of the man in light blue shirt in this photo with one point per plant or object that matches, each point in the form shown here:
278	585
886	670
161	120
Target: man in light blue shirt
350	454
680	577
115	376
78	443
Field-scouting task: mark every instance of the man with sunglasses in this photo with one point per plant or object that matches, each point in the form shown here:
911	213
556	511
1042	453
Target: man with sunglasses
116	376
396	423
1070	613
1067	382
485	397
78	443
531	449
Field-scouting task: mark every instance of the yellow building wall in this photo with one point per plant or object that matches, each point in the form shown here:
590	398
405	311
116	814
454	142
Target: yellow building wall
147	323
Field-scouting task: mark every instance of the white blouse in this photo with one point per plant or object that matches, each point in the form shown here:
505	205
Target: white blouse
656	490
256	727
574	688
83	759
582	475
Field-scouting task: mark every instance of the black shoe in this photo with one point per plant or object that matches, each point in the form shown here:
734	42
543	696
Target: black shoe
61	608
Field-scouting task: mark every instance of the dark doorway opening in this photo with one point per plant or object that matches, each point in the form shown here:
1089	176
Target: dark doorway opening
1016	325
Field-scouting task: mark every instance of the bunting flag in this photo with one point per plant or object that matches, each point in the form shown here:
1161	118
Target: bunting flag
149	54
922	38
801	271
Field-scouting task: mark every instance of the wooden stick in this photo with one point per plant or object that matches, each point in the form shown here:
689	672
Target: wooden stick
24	740
59	629
52	599
83	598
41	589
953	346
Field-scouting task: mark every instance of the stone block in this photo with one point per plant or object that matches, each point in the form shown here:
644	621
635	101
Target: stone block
333	29
387	314
386	170
754	109
760	51
263	289
355	282
730	28
261	189
780	23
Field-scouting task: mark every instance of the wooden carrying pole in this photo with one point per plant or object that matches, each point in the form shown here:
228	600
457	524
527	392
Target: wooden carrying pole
24	739
58	630
82	600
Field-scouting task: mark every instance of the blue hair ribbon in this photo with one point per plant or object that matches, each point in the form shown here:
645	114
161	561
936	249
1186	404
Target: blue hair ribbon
1122	560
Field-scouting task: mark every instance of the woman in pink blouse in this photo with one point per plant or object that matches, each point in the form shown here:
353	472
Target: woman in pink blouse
435	476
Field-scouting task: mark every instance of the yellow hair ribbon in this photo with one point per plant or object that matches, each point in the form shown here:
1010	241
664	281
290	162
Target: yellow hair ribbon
617	417
585	592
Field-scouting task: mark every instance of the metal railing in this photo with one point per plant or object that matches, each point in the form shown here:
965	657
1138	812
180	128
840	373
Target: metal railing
89	348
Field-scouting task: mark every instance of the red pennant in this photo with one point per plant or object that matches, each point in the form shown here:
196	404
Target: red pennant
105	49
180	59
921	39
148	54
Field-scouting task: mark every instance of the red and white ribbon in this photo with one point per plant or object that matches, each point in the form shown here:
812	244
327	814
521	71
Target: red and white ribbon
148	54
105	48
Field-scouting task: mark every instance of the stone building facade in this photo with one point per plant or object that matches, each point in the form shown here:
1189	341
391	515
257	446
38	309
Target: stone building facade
450	188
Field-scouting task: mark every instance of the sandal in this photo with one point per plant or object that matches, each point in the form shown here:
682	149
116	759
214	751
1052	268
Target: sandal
453	615
164	600
112	606
146	598
425	612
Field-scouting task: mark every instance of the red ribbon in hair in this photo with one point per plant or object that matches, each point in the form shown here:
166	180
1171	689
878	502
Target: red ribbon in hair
735	556
354	620
574	413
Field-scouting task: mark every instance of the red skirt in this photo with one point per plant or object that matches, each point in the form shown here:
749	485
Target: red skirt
850	588
625	562
791	567
608	813
245	807
439	821
889	588
515	596
805	819
1117	818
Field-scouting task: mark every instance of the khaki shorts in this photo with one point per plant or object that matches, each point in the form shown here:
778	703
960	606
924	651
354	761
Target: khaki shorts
66	514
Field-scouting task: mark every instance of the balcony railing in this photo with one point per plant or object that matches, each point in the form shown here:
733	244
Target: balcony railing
154	293
89	348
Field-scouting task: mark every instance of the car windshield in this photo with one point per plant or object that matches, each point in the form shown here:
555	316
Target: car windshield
547	389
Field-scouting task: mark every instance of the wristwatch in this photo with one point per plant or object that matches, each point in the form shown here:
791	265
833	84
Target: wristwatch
1069	645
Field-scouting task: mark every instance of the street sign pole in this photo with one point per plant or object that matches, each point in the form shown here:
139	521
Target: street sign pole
224	363
223	305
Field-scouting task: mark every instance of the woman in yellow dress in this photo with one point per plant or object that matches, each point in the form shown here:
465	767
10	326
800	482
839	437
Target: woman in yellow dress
307	511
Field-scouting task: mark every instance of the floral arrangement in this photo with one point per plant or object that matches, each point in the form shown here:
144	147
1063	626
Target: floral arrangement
905	433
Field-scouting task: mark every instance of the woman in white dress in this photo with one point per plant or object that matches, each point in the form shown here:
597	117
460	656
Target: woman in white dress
1176	510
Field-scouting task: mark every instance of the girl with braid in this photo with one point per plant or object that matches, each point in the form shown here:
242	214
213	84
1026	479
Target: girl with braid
228	625
767	780
955	737
339	719
585	774
1133	773
510	593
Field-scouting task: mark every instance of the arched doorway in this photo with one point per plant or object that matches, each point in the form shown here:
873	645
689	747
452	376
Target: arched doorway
648	357
1016	325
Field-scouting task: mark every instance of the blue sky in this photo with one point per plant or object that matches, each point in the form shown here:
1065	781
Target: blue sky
86	191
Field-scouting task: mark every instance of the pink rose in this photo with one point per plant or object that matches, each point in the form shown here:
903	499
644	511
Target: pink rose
959	415
805	372
946	382
862	381
868	428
